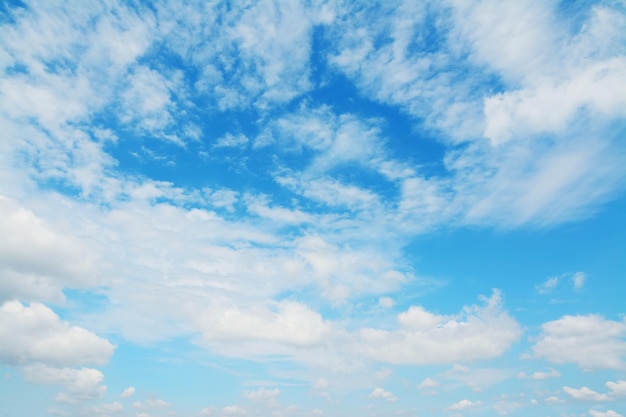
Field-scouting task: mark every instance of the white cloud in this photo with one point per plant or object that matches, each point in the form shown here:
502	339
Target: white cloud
128	392
268	398
37	260
585	394
386	302
550	107
383	373
553	399
462	405
617	389
578	279
234	410
478	379
590	341
231	141
609	413
38	335
286	322
156	403
107	409
81	385
547	286
147	101
428	383
539	375
479	332
381	393
321	384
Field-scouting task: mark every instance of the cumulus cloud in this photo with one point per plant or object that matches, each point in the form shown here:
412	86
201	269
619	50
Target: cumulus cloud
585	394
81	385
617	389
234	410
590	341
269	398
608	413
428	383
284	322
462	405
128	392
38	335
37	261
479	332
381	393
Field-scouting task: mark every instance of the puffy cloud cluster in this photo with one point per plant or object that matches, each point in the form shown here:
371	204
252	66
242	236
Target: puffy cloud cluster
36	260
590	341
81	385
35	334
478	332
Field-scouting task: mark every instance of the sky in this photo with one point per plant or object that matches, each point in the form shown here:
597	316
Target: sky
315	208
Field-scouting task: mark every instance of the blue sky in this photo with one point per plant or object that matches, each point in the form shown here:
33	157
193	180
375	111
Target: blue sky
313	208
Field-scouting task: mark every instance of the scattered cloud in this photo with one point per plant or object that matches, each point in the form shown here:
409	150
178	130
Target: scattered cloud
252	182
428	383
463	405
547	286
231	141
540	375
585	394
590	341
128	392
38	261
41	337
381	393
578	280
268	398
479	332
609	413
80	385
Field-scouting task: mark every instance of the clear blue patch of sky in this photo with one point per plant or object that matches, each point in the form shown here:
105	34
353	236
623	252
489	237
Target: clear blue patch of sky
474	260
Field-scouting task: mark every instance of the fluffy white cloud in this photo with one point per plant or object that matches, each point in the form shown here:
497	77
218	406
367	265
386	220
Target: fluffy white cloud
269	398
609	413
81	385
462	405
36	260
286	322
128	392
428	383
590	341
479	332
234	410
36	334
381	393
617	389
585	394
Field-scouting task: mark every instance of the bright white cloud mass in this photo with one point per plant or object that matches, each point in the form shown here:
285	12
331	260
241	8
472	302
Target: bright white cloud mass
313	208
